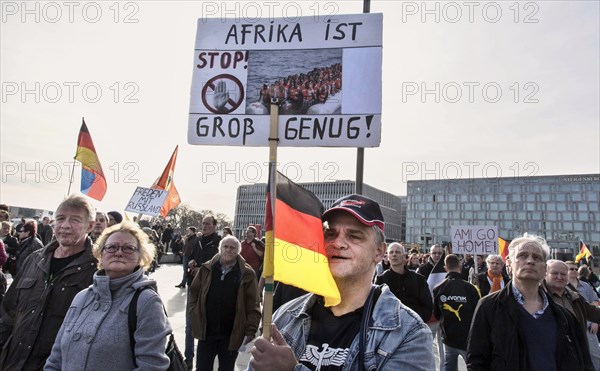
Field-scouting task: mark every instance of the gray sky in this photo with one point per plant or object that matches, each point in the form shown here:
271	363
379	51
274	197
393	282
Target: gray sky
518	95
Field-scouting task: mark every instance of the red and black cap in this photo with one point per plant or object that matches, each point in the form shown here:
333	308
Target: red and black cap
363	208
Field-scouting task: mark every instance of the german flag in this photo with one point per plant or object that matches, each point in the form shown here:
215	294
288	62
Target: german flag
503	248
93	181
584	252
165	182
299	257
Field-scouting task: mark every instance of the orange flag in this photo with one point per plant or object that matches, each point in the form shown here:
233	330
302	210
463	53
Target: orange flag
503	248
165	182
299	254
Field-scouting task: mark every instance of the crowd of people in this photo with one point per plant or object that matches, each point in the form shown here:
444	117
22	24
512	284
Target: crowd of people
67	305
303	90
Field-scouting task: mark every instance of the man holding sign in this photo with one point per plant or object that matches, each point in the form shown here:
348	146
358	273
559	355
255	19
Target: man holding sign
370	328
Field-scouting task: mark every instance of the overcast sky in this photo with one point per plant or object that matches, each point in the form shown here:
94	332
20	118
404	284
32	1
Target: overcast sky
518	95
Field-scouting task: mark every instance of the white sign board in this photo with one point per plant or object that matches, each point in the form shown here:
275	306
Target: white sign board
326	71
147	201
480	240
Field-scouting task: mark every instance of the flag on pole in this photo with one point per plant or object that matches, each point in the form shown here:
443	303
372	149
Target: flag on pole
93	182
165	182
503	248
438	274
584	252
299	254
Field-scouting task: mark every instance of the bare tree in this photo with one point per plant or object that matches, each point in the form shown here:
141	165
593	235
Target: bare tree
184	216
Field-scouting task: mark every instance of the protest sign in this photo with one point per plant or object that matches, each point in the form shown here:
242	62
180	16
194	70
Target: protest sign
480	240
147	201
326	71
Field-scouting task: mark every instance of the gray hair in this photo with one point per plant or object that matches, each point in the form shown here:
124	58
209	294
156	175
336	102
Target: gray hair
494	257
527	239
75	201
233	238
555	261
379	235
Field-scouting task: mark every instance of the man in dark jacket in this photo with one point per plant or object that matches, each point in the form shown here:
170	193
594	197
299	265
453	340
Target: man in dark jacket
27	245
208	244
46	231
454	303
410	287
167	237
41	293
223	302
555	285
520	327
205	248
190	240
435	254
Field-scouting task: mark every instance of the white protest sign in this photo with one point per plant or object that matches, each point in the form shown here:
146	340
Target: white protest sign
480	240
326	71
147	201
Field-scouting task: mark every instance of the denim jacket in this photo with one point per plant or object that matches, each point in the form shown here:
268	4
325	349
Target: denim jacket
397	338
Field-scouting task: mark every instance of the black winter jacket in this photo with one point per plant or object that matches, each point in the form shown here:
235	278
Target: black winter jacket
454	303
497	343
412	290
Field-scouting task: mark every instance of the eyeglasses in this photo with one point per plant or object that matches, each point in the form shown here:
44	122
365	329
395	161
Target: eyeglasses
126	249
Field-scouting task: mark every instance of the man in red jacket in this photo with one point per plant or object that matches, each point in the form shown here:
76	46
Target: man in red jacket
253	250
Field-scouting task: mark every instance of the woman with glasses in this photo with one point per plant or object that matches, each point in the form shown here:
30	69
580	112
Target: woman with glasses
95	333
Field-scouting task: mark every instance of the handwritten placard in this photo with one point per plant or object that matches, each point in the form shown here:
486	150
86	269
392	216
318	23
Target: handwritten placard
480	240
147	201
324	71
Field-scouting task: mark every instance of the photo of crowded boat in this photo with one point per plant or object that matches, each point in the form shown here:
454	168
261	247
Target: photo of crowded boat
286	75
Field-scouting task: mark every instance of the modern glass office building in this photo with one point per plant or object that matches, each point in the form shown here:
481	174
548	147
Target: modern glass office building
562	209
251	203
